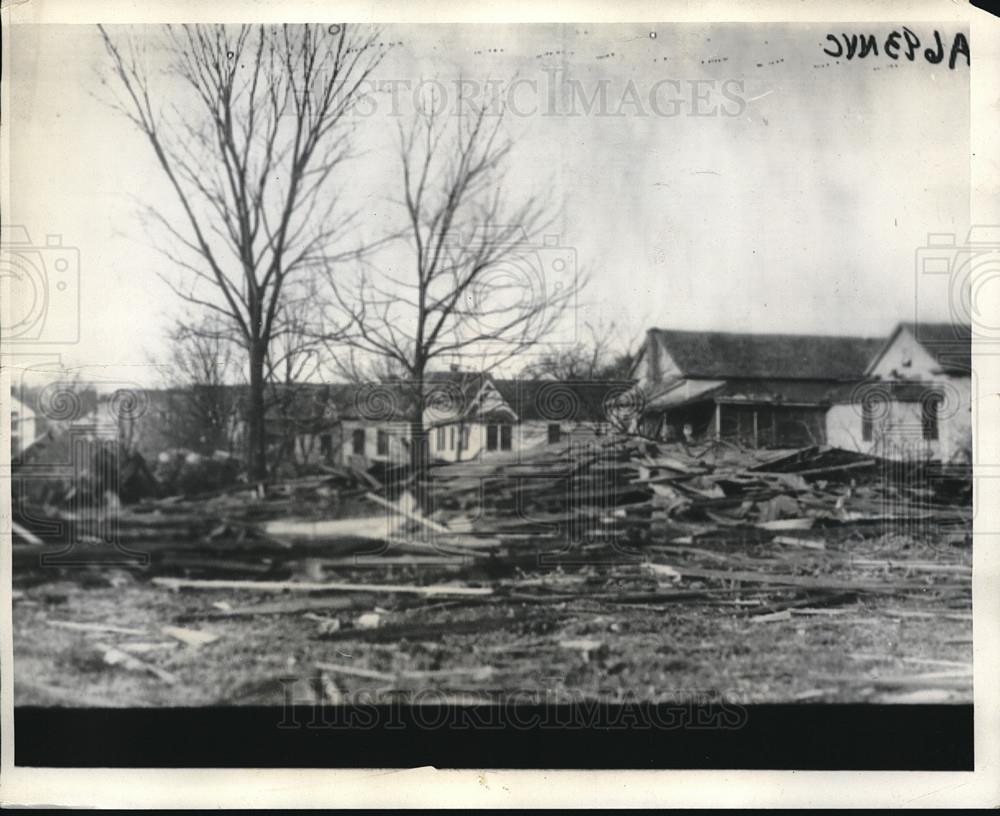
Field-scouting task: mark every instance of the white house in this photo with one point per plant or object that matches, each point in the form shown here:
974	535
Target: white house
470	416
521	415
916	401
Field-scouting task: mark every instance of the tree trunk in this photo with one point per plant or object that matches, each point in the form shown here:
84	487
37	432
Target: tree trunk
257	452
419	443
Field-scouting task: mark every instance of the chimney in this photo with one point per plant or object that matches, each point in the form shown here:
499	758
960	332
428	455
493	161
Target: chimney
653	357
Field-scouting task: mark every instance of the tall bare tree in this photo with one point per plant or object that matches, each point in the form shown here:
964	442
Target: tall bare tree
249	125
469	285
293	361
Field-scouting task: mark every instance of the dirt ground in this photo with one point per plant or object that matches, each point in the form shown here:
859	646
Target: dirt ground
525	641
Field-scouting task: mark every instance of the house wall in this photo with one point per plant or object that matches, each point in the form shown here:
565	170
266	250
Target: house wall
526	436
654	366
325	448
905	359
897	428
398	441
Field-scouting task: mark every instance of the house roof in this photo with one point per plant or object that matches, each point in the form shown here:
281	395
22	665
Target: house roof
950	344
446	394
757	391
779	356
558	400
777	392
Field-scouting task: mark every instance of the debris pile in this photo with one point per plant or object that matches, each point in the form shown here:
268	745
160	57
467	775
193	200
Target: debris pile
541	547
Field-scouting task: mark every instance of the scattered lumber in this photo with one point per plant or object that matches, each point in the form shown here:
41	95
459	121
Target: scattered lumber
375	528
306	586
192	637
96	627
114	656
813	537
290	607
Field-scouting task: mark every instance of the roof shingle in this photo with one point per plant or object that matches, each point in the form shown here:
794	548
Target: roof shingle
776	356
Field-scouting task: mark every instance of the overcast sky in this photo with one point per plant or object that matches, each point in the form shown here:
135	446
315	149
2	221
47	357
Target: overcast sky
800	213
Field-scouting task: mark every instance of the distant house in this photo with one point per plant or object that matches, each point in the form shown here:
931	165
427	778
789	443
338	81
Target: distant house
472	416
374	423
523	415
759	390
916	402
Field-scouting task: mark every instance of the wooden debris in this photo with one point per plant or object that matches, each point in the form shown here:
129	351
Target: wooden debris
116	657
539	540
356	671
333	586
192	637
788	541
587	647
144	648
26	535
96	627
325	625
284	607
402	509
376	528
370	620
773	617
663	571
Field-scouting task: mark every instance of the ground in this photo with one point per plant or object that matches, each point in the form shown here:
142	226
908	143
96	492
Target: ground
912	646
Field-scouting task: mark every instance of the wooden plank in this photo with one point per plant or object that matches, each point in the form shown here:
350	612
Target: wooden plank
372	528
309	586
408	514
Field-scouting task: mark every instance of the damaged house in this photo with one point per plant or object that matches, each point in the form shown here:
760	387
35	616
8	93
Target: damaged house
916	401
759	390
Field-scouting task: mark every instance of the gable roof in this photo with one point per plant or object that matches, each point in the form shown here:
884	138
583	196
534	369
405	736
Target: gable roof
778	356
562	401
950	344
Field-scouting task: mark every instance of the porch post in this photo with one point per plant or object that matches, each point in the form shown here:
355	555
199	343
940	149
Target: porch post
718	420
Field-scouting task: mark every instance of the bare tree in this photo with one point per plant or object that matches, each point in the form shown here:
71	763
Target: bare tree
249	128
293	361
467	287
202	373
597	356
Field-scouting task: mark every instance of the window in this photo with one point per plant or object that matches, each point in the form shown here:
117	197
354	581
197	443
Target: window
439	443
465	437
867	420
358	441
15	433
505	437
451	438
554	433
382	443
929	415
326	444
491	437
